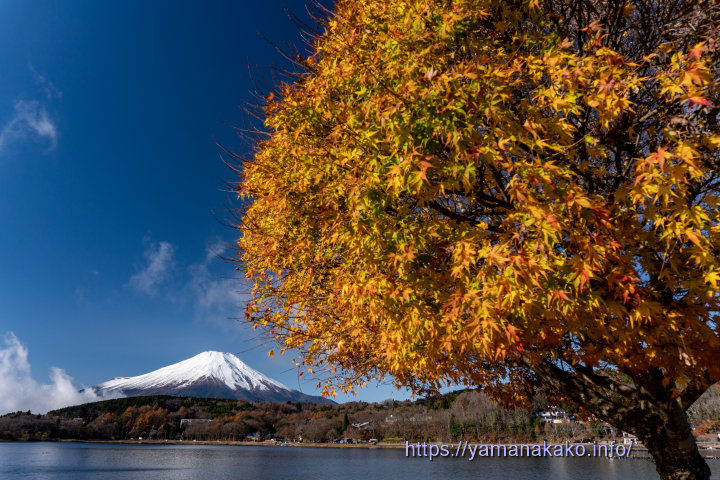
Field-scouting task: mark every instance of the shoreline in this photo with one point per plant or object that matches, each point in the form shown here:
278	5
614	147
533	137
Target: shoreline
708	451
238	443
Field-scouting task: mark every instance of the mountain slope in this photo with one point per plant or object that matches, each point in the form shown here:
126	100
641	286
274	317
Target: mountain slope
208	374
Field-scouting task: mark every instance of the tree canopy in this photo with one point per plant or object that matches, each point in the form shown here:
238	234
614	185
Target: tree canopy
503	194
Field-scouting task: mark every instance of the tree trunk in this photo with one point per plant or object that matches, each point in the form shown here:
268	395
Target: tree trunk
678	461
674	450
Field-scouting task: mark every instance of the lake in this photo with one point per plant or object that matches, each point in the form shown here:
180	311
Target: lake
80	461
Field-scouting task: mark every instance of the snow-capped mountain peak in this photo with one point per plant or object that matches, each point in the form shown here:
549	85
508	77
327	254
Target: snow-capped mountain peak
208	374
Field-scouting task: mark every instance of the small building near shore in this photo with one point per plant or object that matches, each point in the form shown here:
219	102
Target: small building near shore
190	421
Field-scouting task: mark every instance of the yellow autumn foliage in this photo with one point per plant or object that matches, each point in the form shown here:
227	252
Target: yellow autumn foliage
456	191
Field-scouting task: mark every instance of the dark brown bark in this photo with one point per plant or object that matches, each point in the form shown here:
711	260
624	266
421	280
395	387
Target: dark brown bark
676	453
664	429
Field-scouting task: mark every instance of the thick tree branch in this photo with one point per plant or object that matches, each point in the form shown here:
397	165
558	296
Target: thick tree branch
598	403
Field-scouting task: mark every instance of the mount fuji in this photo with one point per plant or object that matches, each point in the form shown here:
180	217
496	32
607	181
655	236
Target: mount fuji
208	374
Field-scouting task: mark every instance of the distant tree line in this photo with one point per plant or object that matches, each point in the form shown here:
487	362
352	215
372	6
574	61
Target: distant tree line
464	415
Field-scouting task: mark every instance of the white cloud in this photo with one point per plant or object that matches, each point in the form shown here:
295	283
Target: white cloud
215	250
214	298
19	391
159	259
30	120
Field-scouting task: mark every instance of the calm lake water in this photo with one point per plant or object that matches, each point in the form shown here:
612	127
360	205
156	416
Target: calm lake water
79	461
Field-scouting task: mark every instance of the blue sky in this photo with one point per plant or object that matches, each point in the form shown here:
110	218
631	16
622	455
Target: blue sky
111	184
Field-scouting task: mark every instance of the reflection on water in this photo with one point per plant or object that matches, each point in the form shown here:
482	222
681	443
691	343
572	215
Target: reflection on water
81	461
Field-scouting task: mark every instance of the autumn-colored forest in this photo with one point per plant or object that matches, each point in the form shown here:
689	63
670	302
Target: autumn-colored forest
467	415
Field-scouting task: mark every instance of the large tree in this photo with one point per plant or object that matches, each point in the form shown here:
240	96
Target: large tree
504	194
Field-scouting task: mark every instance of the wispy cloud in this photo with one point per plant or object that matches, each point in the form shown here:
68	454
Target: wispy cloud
159	261
19	391
216	299
50	90
30	121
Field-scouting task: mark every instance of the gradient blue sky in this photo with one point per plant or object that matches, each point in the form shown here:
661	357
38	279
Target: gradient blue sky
111	181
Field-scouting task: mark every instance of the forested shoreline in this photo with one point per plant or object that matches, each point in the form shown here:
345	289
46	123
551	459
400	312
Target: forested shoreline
466	415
